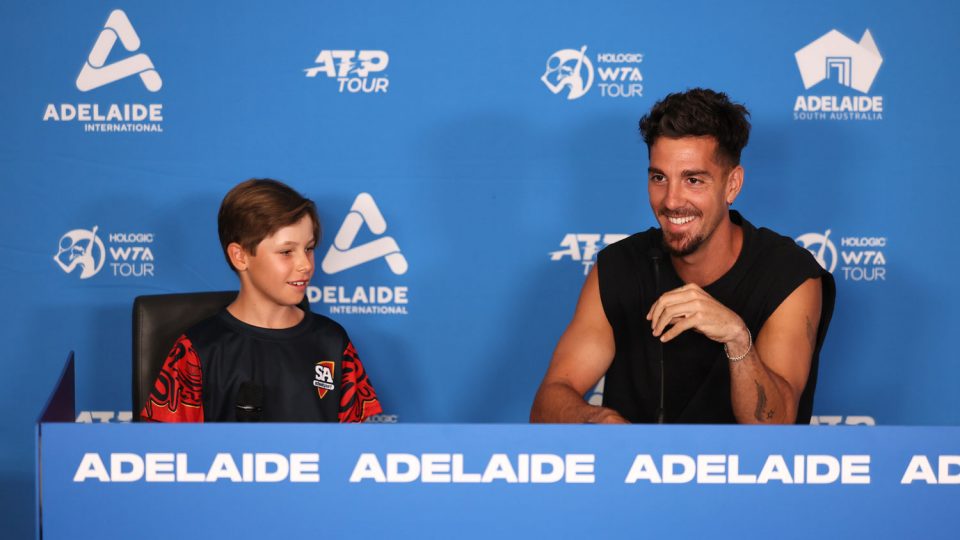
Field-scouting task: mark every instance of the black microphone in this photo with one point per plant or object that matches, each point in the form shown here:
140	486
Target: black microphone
249	402
655	255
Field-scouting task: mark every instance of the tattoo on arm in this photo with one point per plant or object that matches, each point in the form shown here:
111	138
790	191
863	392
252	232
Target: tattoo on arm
760	413
812	333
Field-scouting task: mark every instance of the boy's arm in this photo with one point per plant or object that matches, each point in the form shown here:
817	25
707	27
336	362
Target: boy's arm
177	393
358	400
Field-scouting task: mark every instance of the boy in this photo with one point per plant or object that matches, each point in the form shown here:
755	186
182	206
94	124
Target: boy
262	357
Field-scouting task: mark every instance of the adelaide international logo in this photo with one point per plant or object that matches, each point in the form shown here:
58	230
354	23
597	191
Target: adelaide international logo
343	254
383	297
96	72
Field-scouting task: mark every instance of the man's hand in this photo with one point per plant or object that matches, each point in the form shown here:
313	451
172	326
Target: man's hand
583	355
766	384
603	415
690	307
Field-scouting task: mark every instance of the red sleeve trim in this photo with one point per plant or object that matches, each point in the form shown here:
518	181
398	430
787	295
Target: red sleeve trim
358	400
177	394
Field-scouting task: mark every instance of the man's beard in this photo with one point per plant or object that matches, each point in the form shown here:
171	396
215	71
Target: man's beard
686	246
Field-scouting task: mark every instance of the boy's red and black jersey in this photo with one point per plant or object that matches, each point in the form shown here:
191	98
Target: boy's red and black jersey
308	373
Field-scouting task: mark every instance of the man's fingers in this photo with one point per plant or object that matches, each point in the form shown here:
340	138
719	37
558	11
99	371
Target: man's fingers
669	315
670	298
678	328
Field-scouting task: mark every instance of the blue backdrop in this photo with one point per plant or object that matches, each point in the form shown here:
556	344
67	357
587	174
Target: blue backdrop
484	152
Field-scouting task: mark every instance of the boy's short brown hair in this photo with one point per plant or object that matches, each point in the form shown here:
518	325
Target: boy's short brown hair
257	208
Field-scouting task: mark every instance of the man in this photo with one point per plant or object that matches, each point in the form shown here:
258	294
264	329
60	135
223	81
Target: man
706	319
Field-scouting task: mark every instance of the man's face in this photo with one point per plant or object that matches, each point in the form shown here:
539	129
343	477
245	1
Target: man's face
690	192
282	268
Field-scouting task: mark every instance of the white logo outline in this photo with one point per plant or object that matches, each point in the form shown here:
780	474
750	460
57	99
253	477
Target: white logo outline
834	55
83	256
808	240
97	73
566	76
343	255
342	63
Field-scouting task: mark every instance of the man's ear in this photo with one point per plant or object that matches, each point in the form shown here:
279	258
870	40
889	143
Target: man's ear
734	184
238	256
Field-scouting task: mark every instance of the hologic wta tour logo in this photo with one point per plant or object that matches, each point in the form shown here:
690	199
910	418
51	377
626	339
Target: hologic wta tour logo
128	254
860	258
81	249
356	72
96	72
346	253
834	56
572	72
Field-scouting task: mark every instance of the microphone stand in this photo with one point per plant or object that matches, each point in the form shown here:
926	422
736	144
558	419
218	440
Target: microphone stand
661	411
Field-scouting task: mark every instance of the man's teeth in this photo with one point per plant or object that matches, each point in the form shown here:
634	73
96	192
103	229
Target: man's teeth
297	282
680	220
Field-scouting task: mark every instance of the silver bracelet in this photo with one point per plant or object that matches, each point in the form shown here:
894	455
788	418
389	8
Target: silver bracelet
735	359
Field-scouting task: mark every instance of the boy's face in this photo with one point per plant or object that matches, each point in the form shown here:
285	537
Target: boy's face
282	268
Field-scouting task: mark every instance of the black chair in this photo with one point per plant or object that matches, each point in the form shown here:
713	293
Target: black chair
158	320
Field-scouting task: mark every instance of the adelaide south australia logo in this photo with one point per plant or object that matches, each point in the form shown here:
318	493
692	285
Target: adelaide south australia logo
571	72
106	64
377	253
847	65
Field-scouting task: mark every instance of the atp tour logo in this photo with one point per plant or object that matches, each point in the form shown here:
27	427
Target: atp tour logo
861	258
323	377
834	56
346	253
96	72
572	71
104	417
129	254
583	247
353	69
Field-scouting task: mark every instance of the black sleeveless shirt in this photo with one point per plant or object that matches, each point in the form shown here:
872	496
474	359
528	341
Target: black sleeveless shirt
768	269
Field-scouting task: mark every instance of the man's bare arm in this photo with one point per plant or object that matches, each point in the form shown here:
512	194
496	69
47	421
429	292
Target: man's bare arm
765	387
767	383
582	356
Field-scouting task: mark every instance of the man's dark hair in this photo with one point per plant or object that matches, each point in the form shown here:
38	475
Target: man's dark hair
698	112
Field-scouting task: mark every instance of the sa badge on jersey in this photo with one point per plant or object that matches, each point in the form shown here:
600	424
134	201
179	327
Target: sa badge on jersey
323	377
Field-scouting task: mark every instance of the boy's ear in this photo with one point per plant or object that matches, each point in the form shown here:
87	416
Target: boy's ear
238	256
